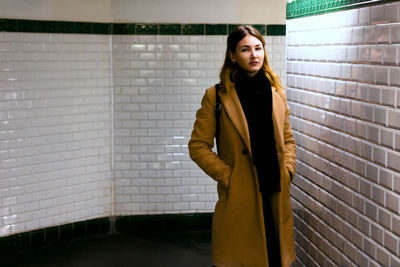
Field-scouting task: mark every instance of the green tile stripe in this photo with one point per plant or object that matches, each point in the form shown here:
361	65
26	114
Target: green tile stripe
39	26
13	25
302	8
276	30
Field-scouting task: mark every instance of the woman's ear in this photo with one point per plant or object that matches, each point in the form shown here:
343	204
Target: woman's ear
232	56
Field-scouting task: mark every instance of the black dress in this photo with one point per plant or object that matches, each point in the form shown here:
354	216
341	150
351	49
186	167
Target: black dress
255	96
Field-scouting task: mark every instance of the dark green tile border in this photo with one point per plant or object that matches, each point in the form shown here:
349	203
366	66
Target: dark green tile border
303	8
151	29
262	28
193	29
18	243
123	28
15	25
276	30
216	29
53	235
170	29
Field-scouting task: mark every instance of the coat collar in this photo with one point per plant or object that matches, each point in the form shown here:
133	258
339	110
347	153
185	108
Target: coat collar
234	110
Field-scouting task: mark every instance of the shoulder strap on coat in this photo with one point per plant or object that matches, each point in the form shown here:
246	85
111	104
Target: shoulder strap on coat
217	109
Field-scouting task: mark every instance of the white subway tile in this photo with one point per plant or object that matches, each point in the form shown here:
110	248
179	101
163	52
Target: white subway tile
163	39
346	71
345	35
388	96
392	202
379	156
391	13
391	243
358	35
393	160
155	48
382	75
393	118
376	54
146	39
380	115
146	56
352	53
394	76
164	206
398	98
200	56
395	33
161	56
370	34
390	55
383	33
137	47
378	14
364	16
180	39
363	53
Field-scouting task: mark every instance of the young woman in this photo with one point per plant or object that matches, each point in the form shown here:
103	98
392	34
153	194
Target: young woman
253	221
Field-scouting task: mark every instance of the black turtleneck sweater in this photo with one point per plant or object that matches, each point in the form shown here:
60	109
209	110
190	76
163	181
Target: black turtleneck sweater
255	96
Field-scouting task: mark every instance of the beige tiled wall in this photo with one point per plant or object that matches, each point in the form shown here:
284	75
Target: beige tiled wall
343	77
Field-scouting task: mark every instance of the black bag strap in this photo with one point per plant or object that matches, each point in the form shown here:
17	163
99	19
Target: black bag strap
217	109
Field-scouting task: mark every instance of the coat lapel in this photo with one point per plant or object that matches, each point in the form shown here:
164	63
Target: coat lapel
278	115
235	112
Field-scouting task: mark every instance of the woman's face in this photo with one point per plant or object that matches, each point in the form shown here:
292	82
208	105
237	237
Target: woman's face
249	54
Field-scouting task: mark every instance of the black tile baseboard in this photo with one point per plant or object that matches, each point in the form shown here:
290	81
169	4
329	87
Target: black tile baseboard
164	222
46	237
54	235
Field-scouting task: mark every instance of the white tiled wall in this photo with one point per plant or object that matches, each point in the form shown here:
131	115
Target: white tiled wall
93	123
158	83
54	130
343	89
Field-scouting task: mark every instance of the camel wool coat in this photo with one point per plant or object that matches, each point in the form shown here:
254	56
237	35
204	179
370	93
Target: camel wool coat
238	230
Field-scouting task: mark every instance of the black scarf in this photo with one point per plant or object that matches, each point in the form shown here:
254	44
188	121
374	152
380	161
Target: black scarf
255	96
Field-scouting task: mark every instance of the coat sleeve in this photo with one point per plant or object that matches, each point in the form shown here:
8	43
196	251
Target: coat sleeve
290	143
202	141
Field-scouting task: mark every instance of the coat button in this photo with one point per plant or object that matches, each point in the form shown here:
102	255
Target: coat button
245	152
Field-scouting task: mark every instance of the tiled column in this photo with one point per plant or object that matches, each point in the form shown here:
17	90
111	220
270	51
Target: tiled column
343	90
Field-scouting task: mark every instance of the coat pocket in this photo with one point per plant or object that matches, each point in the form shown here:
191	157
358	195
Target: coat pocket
226	178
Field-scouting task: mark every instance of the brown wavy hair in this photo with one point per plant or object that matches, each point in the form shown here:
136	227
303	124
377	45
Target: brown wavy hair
229	69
